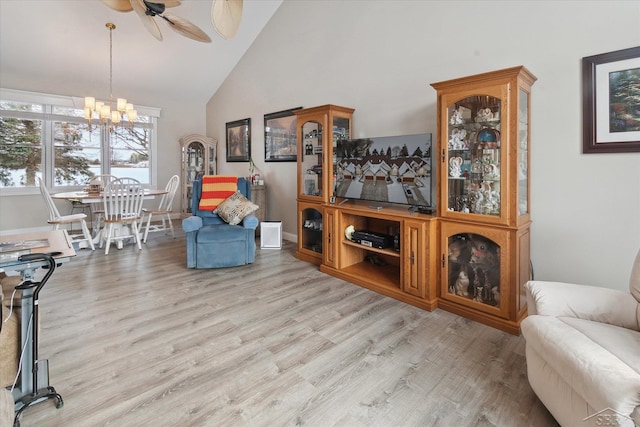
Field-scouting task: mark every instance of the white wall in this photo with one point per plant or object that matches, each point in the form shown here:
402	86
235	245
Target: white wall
379	57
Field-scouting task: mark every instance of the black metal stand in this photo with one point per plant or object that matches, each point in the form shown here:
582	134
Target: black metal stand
34	386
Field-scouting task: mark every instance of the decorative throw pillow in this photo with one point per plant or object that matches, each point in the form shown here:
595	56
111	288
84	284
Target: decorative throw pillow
234	208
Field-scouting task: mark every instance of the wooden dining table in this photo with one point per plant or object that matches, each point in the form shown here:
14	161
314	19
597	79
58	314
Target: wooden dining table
95	198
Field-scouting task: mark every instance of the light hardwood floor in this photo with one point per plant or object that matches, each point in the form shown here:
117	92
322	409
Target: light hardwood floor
137	339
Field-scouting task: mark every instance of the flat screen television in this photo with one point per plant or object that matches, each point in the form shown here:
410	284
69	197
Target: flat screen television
389	169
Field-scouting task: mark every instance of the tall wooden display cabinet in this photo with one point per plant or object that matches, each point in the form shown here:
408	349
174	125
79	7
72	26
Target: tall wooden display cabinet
198	158
483	195
317	128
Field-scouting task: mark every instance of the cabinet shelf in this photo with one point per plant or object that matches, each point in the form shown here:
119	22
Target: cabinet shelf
382	275
389	252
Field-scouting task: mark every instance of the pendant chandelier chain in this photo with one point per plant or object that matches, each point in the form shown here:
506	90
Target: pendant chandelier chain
111	27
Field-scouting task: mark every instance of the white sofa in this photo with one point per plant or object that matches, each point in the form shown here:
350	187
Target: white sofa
583	351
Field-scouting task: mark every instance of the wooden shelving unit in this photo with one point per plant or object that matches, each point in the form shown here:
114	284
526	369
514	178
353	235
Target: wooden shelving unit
484	195
472	258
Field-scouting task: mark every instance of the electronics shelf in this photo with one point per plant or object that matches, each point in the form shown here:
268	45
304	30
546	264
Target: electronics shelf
405	272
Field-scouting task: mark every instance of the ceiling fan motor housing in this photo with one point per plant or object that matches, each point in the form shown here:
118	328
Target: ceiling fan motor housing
154	9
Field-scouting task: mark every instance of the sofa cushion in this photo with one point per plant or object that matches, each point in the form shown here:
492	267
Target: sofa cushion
234	208
221	234
621	342
598	360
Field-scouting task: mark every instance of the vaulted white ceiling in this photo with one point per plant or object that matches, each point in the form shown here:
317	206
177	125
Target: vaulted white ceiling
62	47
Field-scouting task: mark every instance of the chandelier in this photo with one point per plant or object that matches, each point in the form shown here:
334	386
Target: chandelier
109	114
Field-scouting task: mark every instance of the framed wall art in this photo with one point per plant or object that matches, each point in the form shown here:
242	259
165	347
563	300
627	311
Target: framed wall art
239	141
611	102
280	140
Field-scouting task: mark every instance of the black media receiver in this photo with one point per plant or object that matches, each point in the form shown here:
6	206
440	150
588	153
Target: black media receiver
373	240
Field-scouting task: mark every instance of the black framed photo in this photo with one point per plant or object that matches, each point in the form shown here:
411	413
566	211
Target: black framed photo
280	140
239	141
611	102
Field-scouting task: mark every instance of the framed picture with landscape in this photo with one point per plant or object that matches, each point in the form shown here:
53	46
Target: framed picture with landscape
611	102
280	139
239	141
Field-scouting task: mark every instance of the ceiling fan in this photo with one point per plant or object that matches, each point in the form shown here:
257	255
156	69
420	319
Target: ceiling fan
147	10
225	16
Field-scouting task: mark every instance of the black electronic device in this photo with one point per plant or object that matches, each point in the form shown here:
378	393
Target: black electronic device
372	240
422	209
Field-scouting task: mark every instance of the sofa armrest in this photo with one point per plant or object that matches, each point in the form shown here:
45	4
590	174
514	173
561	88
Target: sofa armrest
250	221
583	302
192	223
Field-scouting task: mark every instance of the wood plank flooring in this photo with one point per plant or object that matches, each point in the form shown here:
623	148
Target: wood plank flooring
134	338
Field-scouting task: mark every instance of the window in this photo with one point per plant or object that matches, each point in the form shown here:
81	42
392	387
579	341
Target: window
46	136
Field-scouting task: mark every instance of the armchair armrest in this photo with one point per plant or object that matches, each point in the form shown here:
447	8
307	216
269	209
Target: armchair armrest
250	221
583	302
192	223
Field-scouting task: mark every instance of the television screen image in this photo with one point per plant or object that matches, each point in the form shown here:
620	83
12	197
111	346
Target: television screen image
390	169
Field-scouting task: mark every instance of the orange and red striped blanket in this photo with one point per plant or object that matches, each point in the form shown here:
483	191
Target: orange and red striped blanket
216	188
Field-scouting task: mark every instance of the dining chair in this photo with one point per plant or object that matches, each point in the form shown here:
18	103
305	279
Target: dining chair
78	206
164	211
122	199
56	219
96	212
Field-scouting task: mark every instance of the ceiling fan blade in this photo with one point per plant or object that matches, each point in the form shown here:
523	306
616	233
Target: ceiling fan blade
149	23
226	16
186	28
119	5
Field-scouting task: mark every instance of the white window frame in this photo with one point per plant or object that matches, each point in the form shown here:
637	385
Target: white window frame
48	100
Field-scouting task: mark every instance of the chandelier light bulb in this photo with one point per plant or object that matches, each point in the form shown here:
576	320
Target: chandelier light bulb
105	112
121	105
90	102
132	115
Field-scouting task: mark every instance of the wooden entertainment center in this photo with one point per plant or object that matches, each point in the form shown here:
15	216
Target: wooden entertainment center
408	274
471	256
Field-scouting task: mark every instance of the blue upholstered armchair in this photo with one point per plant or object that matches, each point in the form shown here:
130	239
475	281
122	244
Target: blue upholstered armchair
211	242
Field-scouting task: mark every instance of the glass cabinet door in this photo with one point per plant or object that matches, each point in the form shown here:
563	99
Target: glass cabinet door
194	160
473	157
341	131
312	230
474	268
211	161
523	153
311	161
